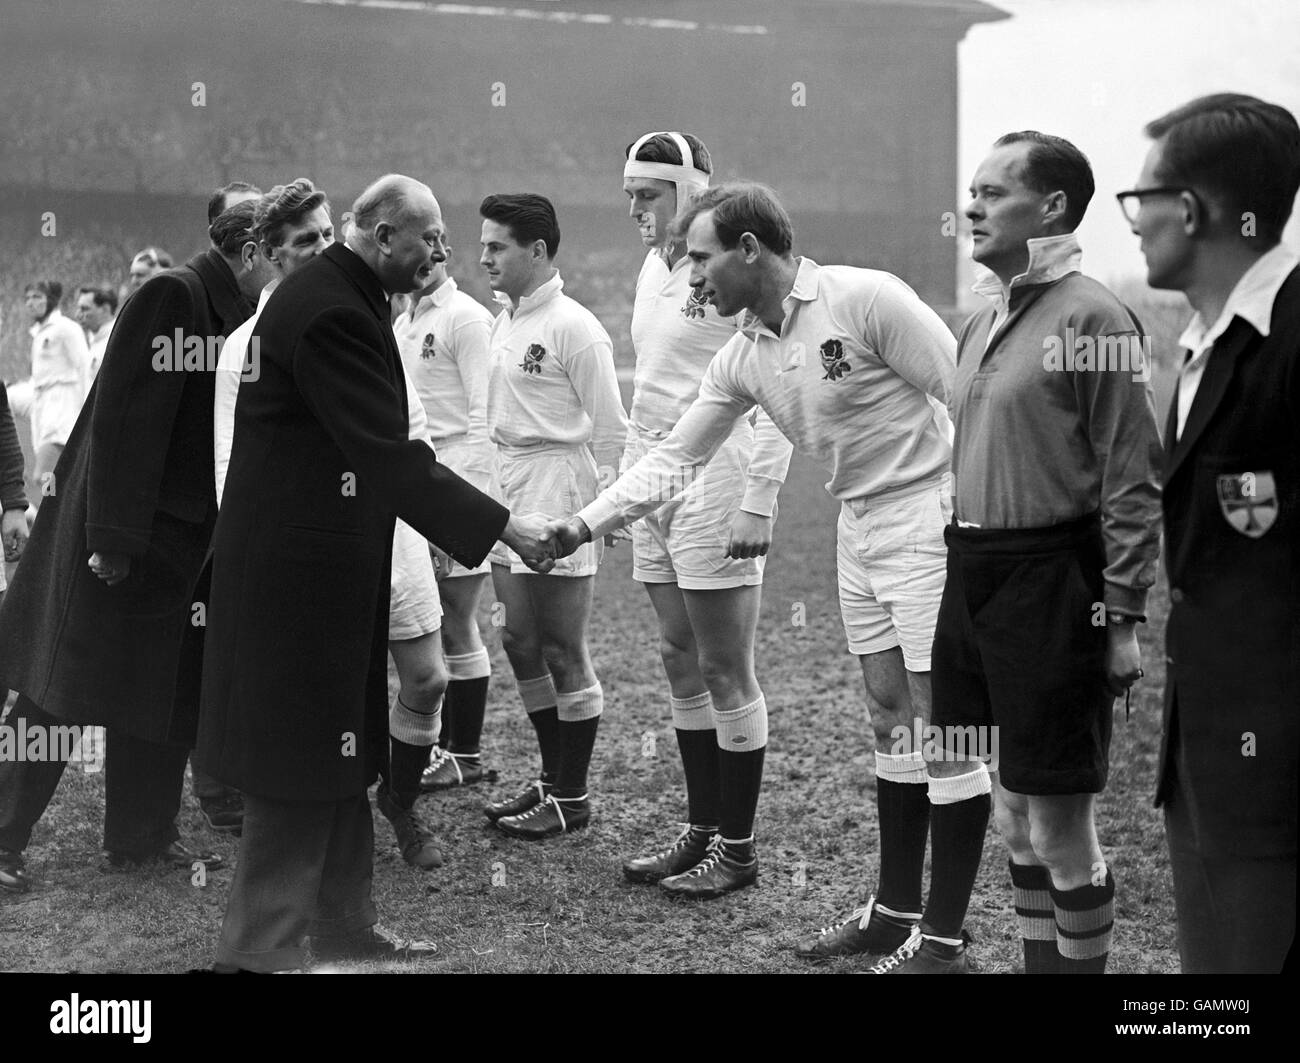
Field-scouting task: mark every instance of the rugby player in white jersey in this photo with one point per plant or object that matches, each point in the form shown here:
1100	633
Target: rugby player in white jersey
293	226
701	556
443	338
555	416
854	369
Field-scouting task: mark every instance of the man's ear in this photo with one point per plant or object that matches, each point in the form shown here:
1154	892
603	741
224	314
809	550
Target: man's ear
540	256
383	236
1196	216
248	255
750	247
1054	208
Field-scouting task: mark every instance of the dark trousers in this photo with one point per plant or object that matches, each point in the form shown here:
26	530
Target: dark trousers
1235	915
304	869
206	787
142	788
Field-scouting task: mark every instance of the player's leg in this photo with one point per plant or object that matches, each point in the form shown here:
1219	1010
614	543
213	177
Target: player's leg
413	722
561	607
1031	885
724	620
697	742
468	672
521	641
1063	833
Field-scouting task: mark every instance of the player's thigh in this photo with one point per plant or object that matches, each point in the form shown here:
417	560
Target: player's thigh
520	623
561	609
725	621
461	595
675	631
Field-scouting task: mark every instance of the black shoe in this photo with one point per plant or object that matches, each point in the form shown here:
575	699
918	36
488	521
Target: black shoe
175	855
413	841
449	770
716	874
224	813
373	943
13	877
867	930
691	846
554	816
921	955
532	794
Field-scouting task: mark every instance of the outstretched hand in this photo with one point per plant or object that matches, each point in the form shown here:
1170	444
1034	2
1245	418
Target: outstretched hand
527	537
566	535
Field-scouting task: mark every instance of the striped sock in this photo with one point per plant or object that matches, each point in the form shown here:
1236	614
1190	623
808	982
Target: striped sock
1032	889
1084	918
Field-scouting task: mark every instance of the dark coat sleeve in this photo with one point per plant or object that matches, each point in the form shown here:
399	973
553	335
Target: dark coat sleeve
343	373
12	494
135	407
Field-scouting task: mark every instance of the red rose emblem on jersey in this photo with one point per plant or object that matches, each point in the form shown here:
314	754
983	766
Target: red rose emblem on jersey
532	362
834	360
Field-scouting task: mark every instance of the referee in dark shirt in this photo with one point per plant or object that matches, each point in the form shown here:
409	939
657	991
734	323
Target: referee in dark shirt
1052	550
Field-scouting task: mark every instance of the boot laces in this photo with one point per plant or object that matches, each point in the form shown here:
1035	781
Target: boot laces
902	954
863	915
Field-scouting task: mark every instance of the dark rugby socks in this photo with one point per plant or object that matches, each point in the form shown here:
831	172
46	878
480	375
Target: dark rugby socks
1031	887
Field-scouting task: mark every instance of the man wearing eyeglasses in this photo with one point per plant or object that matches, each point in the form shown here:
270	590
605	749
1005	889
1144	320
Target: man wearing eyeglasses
1050	555
1215	192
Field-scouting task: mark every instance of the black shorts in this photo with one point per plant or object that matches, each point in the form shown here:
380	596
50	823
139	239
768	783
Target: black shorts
1016	647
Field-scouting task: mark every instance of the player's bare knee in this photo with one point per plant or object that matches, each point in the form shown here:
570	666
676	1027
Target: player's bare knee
726	677
424	687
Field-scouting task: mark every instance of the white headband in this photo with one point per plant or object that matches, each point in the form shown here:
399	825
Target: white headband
686	177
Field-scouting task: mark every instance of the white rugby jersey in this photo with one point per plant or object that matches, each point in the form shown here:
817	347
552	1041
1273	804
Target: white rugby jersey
675	337
553	378
444	343
60	354
848	381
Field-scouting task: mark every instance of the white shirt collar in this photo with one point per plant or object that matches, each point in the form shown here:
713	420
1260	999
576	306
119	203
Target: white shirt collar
438	297
1252	299
1050	259
102	332
544	293
807	283
55	316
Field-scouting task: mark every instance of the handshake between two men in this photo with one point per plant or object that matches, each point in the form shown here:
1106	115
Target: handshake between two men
540	541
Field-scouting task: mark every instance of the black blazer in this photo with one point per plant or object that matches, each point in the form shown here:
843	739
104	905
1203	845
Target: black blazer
135	478
1232	527
295	688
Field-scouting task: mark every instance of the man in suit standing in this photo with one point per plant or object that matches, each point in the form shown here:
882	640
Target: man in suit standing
1215	192
295	695
109	639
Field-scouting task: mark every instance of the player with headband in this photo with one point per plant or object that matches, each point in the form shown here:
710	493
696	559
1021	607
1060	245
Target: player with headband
701	556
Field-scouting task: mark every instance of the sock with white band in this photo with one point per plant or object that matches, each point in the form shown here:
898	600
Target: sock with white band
903	806
411	736
579	713
539	698
742	742
465	703
697	741
959	819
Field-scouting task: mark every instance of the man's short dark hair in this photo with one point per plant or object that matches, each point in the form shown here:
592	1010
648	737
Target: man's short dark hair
233	227
52	290
528	216
1239	150
283	206
741	207
662	148
1053	164
217	201
100	296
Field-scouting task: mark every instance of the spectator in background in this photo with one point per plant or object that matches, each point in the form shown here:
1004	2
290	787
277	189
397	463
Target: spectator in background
96	312
145	264
52	397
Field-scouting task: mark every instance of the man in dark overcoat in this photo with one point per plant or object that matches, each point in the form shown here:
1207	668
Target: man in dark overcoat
101	624
1214	195
295	709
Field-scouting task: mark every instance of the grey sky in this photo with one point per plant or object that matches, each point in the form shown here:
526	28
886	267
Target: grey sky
1096	71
